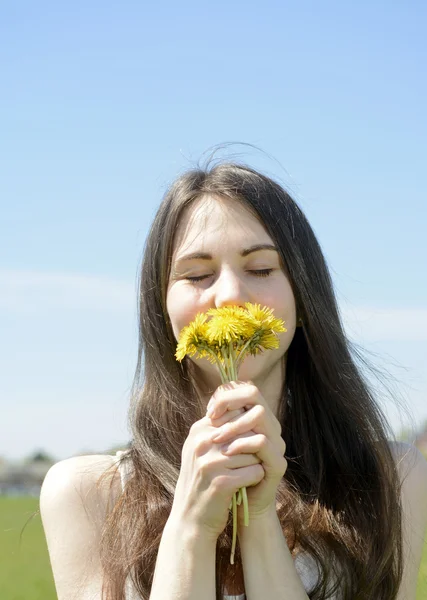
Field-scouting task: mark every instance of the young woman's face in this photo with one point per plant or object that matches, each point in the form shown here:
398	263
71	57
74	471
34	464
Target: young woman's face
223	256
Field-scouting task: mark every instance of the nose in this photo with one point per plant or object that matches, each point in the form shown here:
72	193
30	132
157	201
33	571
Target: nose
229	290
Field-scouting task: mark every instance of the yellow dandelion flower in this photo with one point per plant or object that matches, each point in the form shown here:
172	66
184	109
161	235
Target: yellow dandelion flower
263	318
228	324
230	311
269	340
264	339
278	326
193	338
265	329
259	314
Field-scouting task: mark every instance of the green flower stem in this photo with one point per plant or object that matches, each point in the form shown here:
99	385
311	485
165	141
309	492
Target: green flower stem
233	544
242	354
222	372
245	507
228	368
233	362
226	364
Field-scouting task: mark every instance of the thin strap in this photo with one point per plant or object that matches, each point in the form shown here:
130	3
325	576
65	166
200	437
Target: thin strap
124	465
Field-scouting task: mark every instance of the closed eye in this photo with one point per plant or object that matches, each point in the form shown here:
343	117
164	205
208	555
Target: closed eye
261	272
255	273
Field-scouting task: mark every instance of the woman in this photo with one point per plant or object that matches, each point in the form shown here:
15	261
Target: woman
336	509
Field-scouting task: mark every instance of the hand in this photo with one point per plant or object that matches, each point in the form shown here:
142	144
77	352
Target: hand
208	478
255	431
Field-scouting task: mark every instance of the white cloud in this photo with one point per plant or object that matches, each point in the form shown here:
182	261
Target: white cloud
32	292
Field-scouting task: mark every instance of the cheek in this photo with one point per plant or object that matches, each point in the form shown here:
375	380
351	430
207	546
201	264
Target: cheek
181	308
175	324
284	308
290	316
172	307
282	300
287	336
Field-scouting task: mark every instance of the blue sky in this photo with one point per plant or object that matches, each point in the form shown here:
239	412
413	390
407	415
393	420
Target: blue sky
102	105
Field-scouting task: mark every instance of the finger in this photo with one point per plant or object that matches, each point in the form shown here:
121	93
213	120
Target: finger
250	446
226	417
238	394
240	460
249	443
274	463
232	396
255	419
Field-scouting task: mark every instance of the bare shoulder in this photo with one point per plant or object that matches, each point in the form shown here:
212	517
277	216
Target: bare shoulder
74	502
75	482
412	468
81	471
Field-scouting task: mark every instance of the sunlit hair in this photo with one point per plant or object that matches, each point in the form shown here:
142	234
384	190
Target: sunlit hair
340	497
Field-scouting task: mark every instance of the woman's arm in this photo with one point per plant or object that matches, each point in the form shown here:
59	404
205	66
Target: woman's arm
268	567
185	567
73	512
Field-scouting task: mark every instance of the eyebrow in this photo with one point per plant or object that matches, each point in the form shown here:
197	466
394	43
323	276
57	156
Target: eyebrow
245	252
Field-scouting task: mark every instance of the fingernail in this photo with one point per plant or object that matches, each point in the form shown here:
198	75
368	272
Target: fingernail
210	410
225	447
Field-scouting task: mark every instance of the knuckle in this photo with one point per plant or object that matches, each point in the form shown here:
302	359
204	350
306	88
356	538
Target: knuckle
259	471
263	440
252	391
199	443
260	411
221	483
280	469
204	468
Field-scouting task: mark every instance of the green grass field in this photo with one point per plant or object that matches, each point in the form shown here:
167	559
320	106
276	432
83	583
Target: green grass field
25	572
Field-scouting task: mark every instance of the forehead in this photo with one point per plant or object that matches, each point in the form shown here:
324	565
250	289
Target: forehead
210	219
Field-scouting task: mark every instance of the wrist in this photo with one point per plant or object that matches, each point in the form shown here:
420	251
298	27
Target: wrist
259	523
189	532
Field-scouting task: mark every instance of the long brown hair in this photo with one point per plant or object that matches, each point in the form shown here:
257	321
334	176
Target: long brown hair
339	500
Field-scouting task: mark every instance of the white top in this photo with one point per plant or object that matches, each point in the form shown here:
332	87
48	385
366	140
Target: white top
304	563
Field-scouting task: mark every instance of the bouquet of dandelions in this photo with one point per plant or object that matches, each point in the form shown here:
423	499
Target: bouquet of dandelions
224	336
